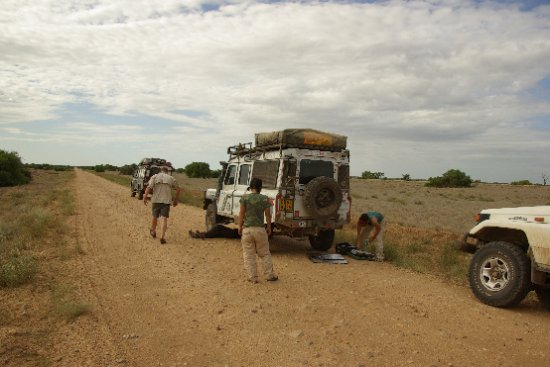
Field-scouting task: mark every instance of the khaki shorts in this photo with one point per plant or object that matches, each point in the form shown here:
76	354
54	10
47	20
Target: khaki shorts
161	210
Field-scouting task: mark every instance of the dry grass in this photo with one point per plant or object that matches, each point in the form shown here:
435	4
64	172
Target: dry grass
425	222
36	248
65	302
410	203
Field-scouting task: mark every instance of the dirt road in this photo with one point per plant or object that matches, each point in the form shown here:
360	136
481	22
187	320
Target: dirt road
187	303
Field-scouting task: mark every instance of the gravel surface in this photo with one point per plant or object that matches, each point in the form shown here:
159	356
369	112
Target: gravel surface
187	303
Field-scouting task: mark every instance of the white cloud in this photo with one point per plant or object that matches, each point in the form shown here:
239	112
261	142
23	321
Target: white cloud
400	73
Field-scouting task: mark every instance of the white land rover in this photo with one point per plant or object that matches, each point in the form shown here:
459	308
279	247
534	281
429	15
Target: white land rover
306	174
511	249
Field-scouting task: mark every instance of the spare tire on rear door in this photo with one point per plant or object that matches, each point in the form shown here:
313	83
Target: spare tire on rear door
322	197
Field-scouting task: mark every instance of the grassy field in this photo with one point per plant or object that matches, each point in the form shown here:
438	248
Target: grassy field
36	244
423	223
410	203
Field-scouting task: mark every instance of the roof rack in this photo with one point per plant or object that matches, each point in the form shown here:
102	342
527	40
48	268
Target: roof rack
239	150
155	161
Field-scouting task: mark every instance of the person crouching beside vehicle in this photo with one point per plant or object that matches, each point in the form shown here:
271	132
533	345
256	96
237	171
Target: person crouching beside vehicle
254	235
368	222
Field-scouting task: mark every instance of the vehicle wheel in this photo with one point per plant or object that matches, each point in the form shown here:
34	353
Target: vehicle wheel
210	217
132	192
543	295
140	195
499	274
323	241
322	197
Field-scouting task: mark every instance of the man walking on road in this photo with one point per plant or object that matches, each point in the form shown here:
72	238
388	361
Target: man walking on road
161	184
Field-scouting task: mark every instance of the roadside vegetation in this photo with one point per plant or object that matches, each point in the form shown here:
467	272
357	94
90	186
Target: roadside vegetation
425	222
12	170
451	178
36	246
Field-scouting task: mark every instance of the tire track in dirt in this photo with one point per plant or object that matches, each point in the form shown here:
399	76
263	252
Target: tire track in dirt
187	303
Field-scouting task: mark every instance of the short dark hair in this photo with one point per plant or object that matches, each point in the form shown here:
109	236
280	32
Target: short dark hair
256	184
364	217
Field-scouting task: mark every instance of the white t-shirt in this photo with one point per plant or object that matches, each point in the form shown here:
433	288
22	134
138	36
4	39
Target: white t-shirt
162	184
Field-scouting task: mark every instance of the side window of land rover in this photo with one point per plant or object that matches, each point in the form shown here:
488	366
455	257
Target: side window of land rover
230	175
244	172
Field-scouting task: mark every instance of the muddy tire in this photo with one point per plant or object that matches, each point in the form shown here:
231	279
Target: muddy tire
210	216
322	197
499	274
140	195
132	193
543	295
323	241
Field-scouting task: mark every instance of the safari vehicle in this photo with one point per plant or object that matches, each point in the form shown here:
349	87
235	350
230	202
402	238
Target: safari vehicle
511	249
305	173
146	168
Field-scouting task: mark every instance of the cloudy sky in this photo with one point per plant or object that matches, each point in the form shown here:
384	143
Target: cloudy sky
419	87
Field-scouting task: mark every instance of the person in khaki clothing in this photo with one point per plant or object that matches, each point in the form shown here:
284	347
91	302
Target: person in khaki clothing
254	236
161	184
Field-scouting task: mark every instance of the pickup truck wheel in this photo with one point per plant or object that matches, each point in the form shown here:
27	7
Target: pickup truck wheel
210	216
322	197
323	241
132	193
499	274
543	295
140	195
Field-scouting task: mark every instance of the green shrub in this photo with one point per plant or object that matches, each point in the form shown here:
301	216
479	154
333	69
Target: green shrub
198	170
99	168
451	178
522	182
127	169
16	269
372	175
12	170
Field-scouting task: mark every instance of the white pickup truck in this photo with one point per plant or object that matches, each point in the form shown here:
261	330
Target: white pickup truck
511	249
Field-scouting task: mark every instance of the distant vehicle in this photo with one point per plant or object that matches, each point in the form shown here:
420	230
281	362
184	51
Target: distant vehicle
511	249
306	174
145	169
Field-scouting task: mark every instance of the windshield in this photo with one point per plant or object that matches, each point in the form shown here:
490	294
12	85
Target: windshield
310	169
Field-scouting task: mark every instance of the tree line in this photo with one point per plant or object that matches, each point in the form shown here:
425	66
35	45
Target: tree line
451	178
193	170
13	172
